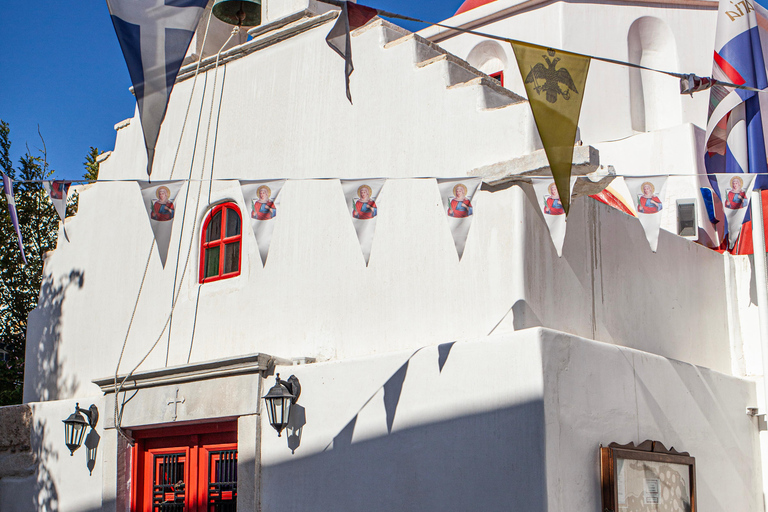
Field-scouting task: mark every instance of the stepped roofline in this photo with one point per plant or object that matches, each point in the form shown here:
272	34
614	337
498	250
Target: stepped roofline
482	14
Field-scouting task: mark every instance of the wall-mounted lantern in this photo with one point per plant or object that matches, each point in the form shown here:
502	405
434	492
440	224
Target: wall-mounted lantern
75	426
279	400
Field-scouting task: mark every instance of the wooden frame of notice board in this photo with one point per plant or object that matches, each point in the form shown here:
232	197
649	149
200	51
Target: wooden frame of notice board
647	478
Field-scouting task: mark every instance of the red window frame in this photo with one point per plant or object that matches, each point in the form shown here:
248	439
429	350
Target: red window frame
498	76
193	443
223	242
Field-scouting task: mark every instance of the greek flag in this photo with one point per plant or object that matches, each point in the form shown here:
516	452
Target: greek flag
735	131
154	36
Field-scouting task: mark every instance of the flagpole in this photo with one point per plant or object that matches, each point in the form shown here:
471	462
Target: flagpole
758	243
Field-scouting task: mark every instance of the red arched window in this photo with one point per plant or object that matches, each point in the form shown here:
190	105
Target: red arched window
221	242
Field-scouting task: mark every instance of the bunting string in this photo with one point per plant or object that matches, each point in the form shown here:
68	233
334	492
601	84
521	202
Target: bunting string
514	177
681	76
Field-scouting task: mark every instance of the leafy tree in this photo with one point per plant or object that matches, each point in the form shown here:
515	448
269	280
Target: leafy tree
19	283
91	165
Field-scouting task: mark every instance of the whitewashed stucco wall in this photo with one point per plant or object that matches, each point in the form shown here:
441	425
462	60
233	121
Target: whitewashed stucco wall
284	114
62	482
600	29
506	421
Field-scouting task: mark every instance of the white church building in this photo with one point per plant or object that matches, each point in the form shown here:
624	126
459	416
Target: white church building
507	379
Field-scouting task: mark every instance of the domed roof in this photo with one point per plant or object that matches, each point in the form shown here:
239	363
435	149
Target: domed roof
468	5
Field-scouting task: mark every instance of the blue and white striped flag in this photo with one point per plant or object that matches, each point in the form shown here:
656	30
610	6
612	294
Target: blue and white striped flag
154	36
8	189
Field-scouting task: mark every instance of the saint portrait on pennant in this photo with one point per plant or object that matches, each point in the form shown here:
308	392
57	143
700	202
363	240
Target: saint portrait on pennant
460	206
552	203
648	201
59	189
736	197
263	207
162	207
364	206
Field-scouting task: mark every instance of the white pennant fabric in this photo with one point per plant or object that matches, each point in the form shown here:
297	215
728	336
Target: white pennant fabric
648	198
548	200
160	202
361	196
262	199
57	193
734	192
457	203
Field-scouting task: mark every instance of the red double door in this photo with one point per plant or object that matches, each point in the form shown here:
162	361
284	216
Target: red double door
185	469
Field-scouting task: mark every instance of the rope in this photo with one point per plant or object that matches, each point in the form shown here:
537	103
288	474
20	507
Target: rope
151	249
191	167
118	389
235	30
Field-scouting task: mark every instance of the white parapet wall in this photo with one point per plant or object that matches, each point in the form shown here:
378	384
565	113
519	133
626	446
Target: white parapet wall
507	421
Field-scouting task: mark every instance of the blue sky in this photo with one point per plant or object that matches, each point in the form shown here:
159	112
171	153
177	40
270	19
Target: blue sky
61	70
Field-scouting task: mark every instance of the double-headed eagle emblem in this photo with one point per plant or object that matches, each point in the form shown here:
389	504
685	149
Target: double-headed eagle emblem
552	78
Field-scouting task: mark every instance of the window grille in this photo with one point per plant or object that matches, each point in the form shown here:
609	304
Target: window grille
169	486
222	481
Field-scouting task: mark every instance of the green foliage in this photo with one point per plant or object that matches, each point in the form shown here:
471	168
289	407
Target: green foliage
19	283
91	166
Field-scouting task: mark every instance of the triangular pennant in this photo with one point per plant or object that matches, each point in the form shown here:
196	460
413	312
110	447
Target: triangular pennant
160	202
352	16
648	196
457	203
550	203
154	36
262	199
554	82
8	190
734	192
361	196
57	193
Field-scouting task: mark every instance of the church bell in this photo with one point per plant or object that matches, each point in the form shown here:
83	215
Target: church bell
243	13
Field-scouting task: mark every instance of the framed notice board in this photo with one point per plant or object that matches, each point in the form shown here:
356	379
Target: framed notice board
647	478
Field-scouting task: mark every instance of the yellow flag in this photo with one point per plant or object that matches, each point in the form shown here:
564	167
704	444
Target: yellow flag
554	81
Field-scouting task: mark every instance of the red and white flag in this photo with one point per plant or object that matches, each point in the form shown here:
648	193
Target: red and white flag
160	203
361	196
352	16
262	199
458	196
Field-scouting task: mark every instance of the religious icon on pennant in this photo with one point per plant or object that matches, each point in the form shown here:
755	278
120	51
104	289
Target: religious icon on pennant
648	198
160	202
361	197
551	205
262	198
735	189
57	193
458	197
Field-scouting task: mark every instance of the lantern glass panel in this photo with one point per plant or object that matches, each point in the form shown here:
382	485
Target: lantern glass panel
286	410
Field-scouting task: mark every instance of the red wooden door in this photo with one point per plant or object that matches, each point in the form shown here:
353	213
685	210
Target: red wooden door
185	469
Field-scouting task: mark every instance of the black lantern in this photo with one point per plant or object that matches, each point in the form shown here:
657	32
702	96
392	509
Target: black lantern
279	400
75	425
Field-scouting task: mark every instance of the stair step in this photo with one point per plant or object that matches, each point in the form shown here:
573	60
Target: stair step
494	96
